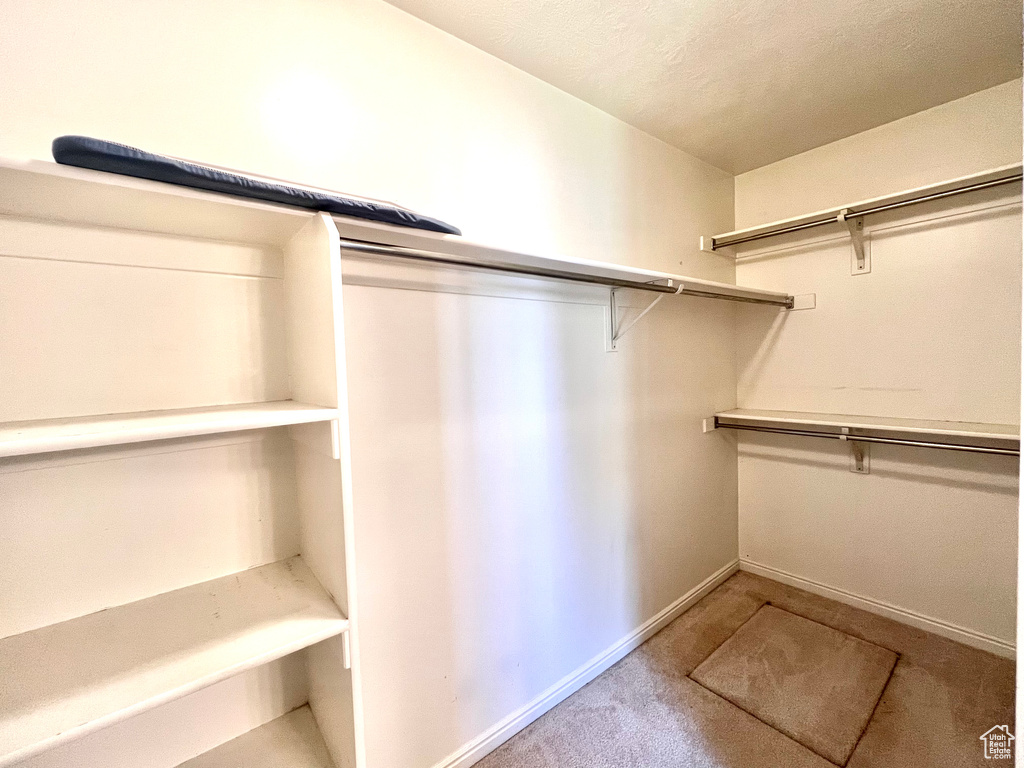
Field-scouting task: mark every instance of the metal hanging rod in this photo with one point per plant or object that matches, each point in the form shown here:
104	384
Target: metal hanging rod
665	285
986	180
872	439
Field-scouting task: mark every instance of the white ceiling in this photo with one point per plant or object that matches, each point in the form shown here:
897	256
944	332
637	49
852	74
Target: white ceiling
742	83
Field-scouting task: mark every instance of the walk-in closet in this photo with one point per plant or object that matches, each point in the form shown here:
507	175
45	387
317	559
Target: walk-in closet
544	384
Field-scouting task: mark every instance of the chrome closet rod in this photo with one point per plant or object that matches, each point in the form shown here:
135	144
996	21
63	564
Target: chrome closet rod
555	274
866	439
854	211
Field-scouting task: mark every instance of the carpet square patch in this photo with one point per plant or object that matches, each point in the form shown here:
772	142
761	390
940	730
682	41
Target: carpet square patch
817	685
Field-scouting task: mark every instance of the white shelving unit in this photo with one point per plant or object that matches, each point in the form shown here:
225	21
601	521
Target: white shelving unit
62	681
177	562
175	479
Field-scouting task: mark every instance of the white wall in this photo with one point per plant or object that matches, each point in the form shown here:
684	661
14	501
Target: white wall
358	96
524	500
932	332
969	135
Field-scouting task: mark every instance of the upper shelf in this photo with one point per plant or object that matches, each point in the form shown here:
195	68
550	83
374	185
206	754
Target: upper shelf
991	438
21	438
1006	174
65	680
36	189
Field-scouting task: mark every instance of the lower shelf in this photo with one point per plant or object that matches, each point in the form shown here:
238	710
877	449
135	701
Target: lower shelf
291	741
63	681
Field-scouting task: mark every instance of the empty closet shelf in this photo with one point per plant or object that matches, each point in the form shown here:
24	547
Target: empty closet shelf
65	680
955	435
290	741
995	177
20	438
482	257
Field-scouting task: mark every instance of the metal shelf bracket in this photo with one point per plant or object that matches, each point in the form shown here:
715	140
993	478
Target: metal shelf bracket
860	455
855	224
617	330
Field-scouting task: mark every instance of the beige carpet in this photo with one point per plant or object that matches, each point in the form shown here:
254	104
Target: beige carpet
817	685
802	682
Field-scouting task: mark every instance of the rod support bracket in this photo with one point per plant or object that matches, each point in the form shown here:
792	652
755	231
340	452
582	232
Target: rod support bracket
855	225
860	458
804	301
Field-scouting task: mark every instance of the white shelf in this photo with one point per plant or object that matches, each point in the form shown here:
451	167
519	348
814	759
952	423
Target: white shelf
1005	437
49	191
474	254
39	189
995	175
290	741
876	423
63	681
21	438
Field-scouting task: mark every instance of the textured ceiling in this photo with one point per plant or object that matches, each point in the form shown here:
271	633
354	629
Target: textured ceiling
742	83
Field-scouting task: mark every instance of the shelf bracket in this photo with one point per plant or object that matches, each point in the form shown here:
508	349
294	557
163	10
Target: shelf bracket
862	262
616	330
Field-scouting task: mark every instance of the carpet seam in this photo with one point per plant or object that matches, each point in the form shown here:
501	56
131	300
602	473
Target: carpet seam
874	709
837	629
730	637
796	741
792	738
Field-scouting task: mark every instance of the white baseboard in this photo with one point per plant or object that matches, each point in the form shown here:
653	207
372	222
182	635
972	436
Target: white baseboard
936	626
497	735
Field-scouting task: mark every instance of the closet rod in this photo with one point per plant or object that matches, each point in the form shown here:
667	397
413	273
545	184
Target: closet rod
866	439
695	289
856	210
